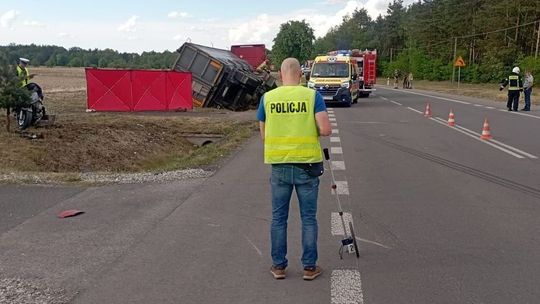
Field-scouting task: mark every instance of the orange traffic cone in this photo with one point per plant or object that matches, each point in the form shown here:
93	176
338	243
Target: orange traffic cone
427	112
485	131
451	119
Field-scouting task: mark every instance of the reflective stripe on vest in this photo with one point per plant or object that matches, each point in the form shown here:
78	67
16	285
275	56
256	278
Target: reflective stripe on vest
22	76
513	83
290	129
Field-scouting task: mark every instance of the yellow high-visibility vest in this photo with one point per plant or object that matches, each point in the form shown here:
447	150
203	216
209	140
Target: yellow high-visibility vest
291	134
23	75
513	83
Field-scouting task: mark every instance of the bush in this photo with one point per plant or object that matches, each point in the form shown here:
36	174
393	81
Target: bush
11	94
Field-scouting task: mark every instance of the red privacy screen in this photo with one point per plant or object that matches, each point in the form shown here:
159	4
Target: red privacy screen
138	90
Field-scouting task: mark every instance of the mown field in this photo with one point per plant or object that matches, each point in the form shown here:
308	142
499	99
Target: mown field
116	142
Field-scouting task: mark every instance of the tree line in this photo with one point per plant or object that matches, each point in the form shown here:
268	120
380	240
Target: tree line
425	38
46	55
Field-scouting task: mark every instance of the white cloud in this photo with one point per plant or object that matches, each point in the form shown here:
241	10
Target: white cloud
178	37
176	14
33	23
254	30
7	18
129	25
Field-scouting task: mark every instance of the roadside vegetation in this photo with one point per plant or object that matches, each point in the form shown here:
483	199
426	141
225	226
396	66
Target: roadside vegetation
117	142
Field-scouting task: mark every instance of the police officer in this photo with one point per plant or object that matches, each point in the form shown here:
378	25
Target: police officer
515	85
24	77
291	119
23	73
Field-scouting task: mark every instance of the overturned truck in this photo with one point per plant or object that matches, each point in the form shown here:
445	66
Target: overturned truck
220	79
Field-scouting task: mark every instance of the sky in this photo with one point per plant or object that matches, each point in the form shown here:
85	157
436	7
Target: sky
158	25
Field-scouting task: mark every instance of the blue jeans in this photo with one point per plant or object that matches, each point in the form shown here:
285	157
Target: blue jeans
527	98
284	178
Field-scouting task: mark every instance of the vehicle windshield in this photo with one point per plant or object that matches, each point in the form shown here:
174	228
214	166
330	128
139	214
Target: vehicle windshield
330	69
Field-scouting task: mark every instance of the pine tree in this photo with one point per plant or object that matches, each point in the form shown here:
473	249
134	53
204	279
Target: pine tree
11	94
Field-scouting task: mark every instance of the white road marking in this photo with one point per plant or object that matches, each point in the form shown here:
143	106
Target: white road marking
337	225
415	110
494	141
336	150
346	287
478	105
468	133
331	115
342	188
523	114
384	98
338	165
395	102
442	98
332	119
334	124
372	242
491	108
335	139
500	143
335	131
253	245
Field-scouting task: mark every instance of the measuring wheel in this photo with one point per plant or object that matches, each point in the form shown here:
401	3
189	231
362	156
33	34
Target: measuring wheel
355	243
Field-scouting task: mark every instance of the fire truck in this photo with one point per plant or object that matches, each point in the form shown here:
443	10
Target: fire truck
367	68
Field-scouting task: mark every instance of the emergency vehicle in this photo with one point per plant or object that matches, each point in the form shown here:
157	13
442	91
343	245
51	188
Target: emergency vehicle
367	68
336	79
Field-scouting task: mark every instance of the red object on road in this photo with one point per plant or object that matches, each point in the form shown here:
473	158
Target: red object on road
486	133
451	119
427	112
70	213
138	90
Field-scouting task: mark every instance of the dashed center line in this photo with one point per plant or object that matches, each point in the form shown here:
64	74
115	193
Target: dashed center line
336	224
338	165
335	139
336	150
342	188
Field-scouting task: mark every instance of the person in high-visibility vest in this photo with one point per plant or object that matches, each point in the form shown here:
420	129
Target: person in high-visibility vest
515	85
23	73
291	119
24	77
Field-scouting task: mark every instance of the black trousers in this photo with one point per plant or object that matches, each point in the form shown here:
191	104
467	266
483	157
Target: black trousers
513	99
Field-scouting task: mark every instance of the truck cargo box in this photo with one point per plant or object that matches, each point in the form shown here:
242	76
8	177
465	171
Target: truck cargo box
221	79
254	54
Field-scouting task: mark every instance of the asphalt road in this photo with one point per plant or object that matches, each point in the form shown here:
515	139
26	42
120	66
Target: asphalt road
440	217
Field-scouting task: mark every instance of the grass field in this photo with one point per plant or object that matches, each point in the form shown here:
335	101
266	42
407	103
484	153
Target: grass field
116	142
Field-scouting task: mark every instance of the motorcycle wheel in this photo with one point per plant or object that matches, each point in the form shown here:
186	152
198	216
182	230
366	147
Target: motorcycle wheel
24	119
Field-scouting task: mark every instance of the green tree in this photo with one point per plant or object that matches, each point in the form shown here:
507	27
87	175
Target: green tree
11	94
294	39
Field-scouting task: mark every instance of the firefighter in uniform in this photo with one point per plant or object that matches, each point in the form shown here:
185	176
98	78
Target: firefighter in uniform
515	85
291	119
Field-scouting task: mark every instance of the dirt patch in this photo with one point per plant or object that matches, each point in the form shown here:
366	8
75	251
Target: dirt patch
117	142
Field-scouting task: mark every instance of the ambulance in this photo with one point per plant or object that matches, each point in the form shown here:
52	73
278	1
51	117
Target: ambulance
336	79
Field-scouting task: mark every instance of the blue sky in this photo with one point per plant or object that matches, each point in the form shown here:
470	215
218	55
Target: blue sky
137	26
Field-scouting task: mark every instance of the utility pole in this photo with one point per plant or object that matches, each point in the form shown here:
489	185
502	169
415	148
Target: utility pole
454	68
537	41
391	54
